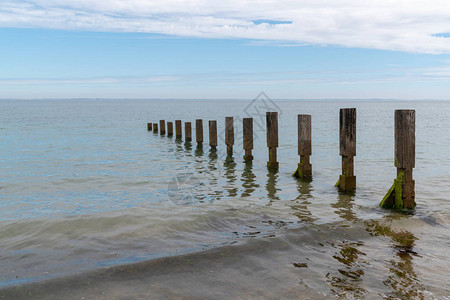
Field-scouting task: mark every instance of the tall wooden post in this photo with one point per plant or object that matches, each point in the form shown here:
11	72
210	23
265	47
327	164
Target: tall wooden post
247	134
188	131
229	135
199	131
162	125
213	134
347	148
304	169
178	129
155	127
272	138
149	126
170	128
401	195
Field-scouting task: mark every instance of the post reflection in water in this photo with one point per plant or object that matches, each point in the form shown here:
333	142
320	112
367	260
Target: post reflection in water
272	178
212	163
402	279
178	144
300	205
198	195
230	174
344	206
188	147
215	193
248	179
349	277
199	150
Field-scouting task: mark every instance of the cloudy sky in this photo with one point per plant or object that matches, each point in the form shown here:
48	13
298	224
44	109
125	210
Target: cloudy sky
225	49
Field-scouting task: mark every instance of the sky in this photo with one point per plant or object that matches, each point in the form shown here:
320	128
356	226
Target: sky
208	49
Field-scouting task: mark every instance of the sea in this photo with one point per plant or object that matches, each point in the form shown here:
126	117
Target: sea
95	206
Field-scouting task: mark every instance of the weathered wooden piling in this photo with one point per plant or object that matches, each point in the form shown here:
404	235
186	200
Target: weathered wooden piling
304	169
170	128
178	129
401	195
187	131
347	148
155	127
229	135
199	131
213	134
149	126
247	134
272	138
162	125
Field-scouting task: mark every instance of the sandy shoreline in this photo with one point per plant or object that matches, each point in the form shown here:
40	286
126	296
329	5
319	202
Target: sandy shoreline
258	268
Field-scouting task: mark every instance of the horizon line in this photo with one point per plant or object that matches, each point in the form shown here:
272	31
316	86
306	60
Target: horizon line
231	99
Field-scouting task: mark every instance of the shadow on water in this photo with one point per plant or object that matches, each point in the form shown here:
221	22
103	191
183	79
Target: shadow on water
402	280
272	179
248	179
348	279
230	174
300	204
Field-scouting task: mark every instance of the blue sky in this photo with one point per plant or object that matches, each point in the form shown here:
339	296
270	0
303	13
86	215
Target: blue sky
151	49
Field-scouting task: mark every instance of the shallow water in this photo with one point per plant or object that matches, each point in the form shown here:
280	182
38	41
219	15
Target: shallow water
85	187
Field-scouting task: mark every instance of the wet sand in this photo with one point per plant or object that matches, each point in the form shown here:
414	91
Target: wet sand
269	268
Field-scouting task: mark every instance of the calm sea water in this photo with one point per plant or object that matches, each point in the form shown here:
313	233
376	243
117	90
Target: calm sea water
93	205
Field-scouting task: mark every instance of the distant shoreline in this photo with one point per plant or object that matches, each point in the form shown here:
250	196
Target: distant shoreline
219	99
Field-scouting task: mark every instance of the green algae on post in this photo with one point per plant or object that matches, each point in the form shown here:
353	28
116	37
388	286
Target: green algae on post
338	182
388	200
401	195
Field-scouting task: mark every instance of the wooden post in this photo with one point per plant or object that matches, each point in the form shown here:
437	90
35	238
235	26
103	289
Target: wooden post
169	128
229	135
199	131
247	134
178	129
155	127
213	134
149	126
188	131
304	169
162	125
401	195
347	148
272	138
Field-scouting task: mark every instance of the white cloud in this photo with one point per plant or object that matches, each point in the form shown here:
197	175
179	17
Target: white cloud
385	24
